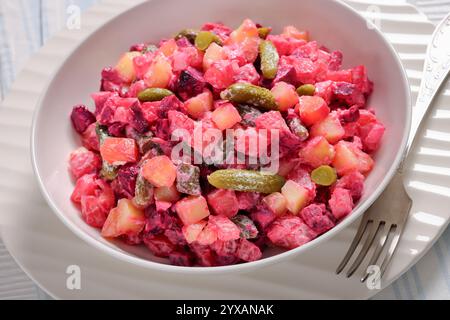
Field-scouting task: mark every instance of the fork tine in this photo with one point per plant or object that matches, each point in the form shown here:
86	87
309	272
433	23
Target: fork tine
361	229
382	239
375	226
391	250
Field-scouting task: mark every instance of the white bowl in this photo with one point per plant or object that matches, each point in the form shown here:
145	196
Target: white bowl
332	23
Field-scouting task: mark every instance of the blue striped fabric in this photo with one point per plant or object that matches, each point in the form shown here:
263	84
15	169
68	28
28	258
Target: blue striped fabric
34	21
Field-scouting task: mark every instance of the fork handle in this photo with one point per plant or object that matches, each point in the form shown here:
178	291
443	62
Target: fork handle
436	69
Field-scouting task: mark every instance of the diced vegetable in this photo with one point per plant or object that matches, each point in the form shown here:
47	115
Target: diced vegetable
159	73
159	171
276	202
199	105
143	193
188	179
125	219
125	67
285	95
246	225
223	202
330	128
297	197
192	231
269	59
226	116
119	151
192	209
317	151
312	109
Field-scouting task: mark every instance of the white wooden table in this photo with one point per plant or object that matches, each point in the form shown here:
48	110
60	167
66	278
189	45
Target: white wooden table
25	25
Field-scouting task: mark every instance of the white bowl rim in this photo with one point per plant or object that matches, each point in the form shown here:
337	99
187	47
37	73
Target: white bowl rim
248	265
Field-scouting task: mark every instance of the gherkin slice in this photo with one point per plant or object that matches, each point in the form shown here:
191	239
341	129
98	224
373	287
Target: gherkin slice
143	192
246	181
324	176
189	34
263	32
205	38
153	94
188	179
108	171
246	93
269	59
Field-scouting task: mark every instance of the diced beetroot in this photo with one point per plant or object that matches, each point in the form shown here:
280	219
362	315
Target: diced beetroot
350	158
312	109
276	202
192	231
290	232
126	181
350	115
225	251
219	29
83	161
317	152
85	186
223	202
205	255
371	135
354	182
159	245
192	209
310	50
158	221
175	235
335	62
285	45
262	217
301	176
221	74
341	203
125	219
360	79
247	200
182	259
92	211
190	83
246	226
285	95
100	98
118	151
89	138
226	116
199	105
142	64
286	165
248	251
245	42
324	90
251	142
315	217
348	93
226	229
81	118
160	171
286	73
247	73
330	128
272	120
297	197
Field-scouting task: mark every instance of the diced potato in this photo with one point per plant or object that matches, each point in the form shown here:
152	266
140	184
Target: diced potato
160	171
312	109
317	151
125	219
125	66
330	128
350	158
293	32
159	74
167	194
276	202
285	95
191	232
213	53
199	105
119	151
192	209
226	116
297	197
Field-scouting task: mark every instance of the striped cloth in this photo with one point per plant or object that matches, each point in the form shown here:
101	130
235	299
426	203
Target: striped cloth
25	25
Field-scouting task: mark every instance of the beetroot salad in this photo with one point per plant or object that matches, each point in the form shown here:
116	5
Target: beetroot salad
211	146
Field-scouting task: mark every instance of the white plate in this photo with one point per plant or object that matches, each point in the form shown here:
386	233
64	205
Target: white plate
45	248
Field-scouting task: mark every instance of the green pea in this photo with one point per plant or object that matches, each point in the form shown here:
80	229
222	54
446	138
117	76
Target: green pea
269	59
306	90
324	176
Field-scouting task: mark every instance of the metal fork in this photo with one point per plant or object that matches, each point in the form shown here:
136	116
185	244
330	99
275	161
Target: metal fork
383	223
